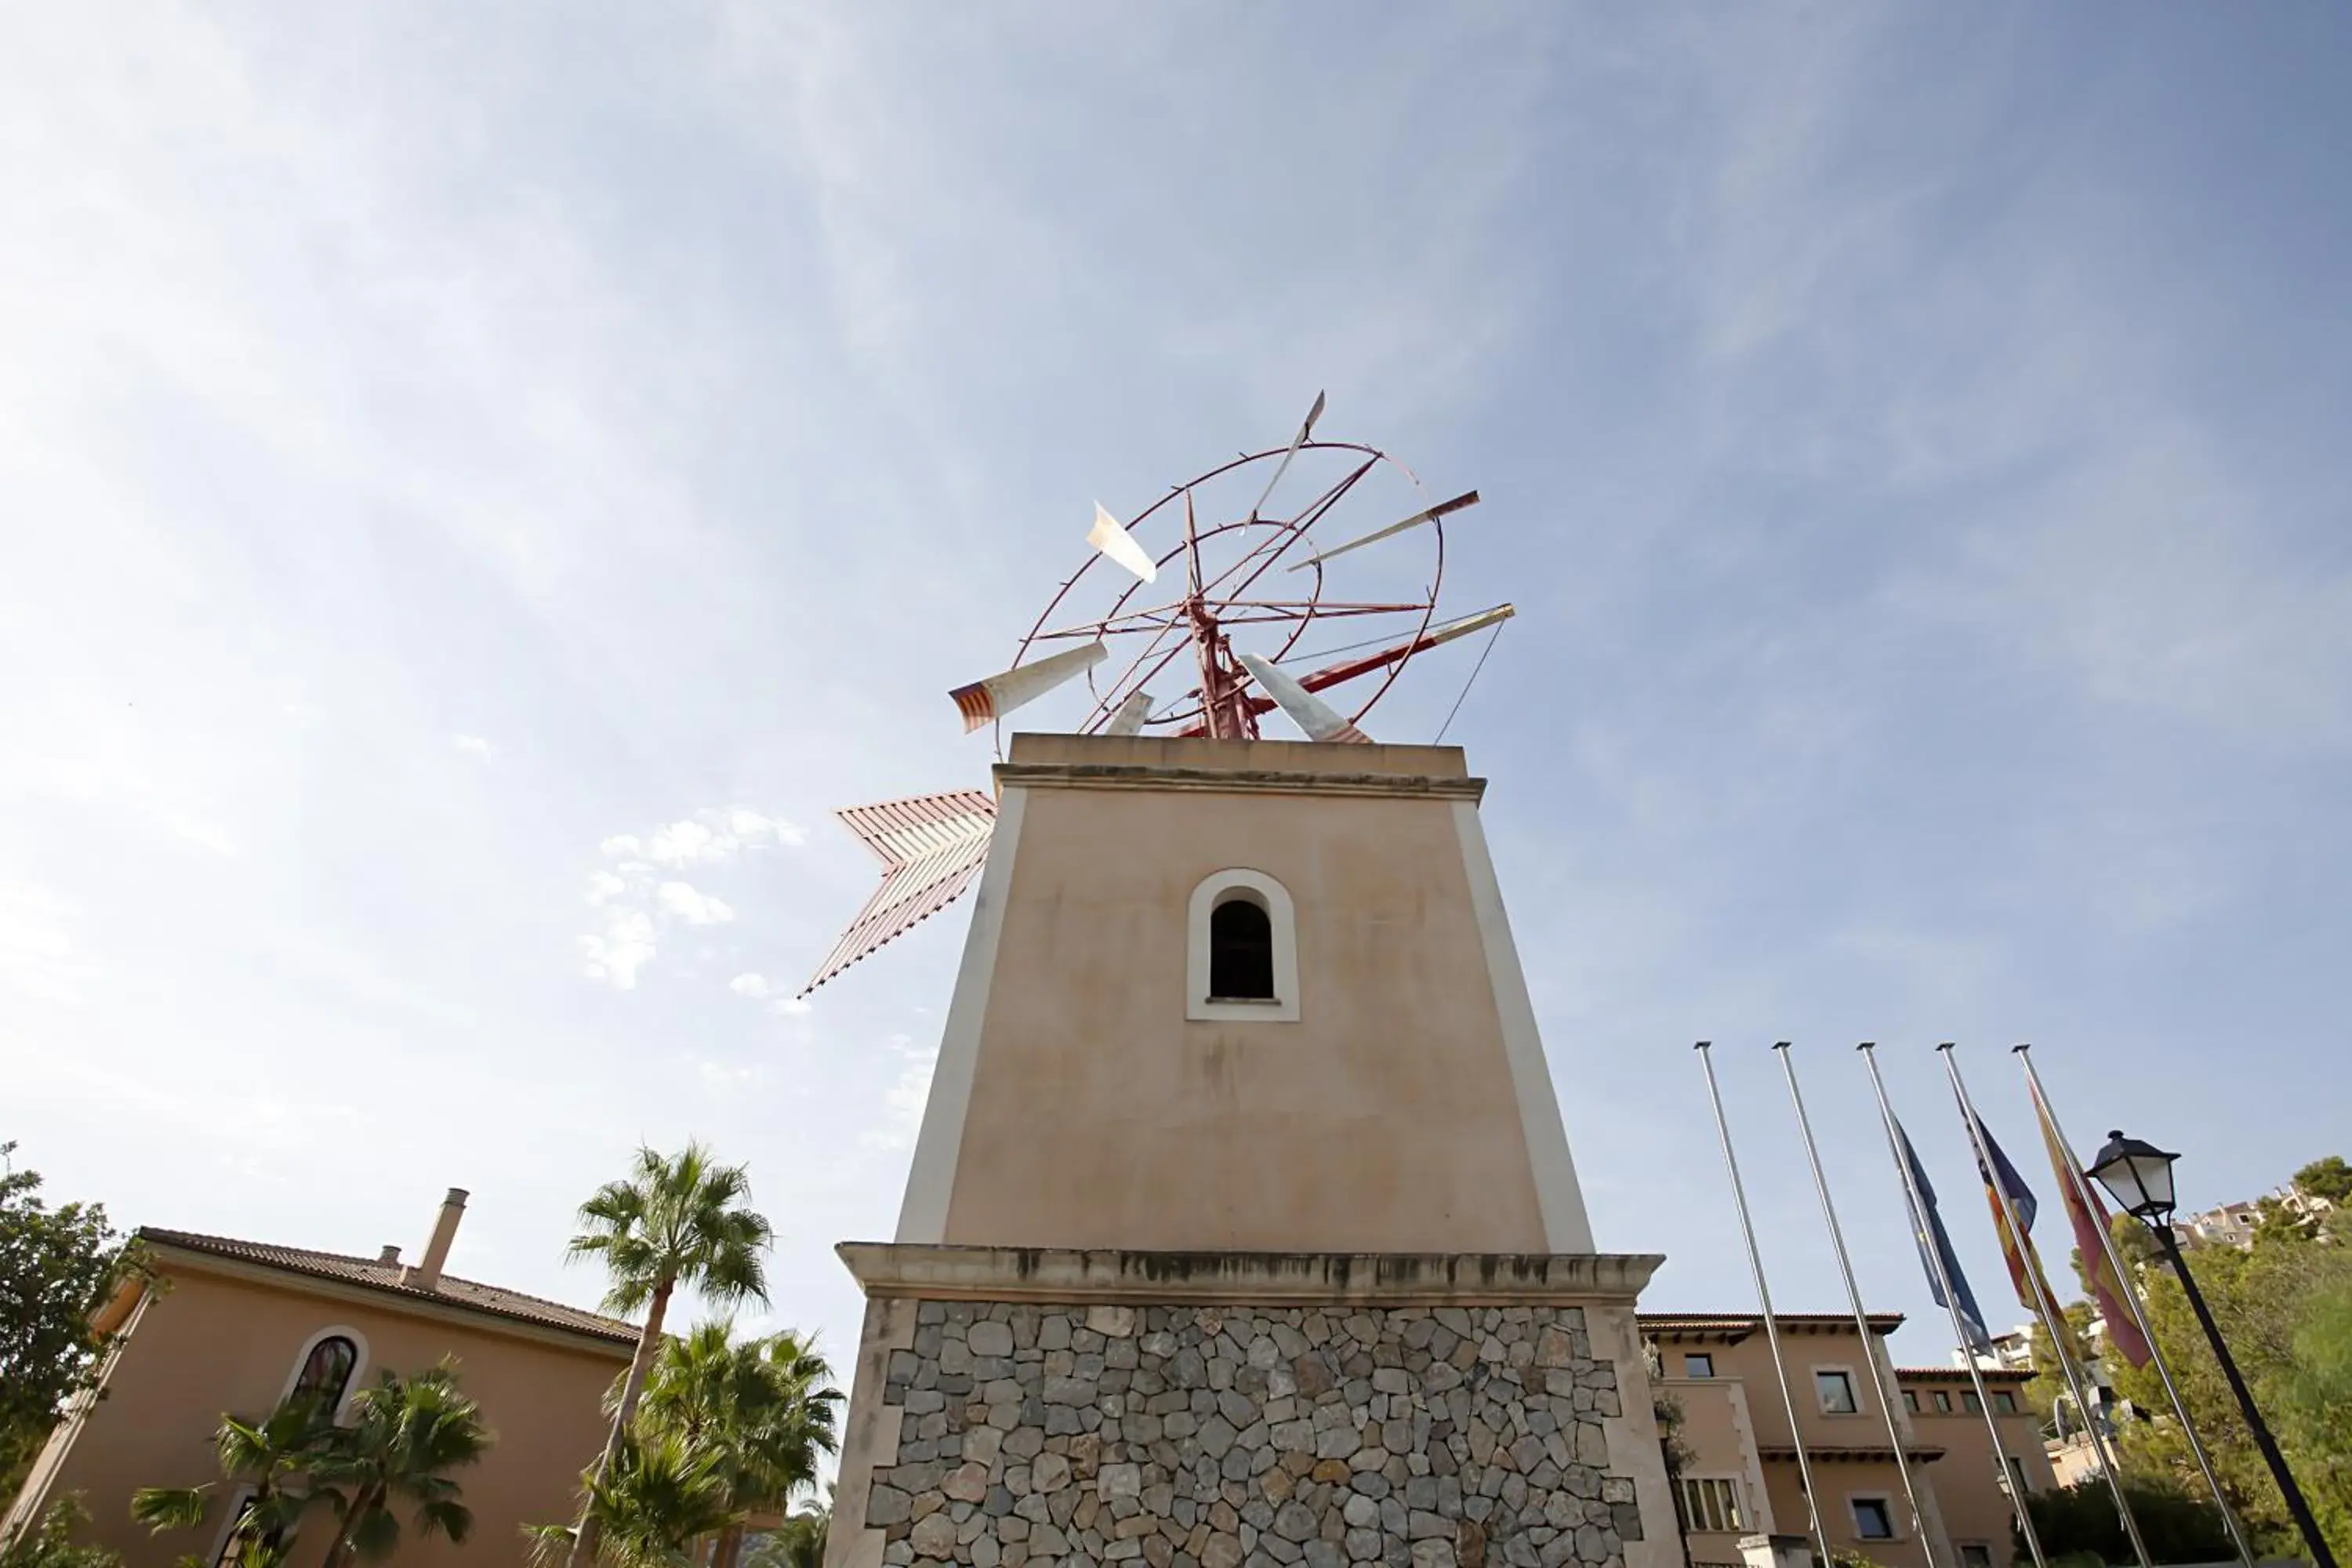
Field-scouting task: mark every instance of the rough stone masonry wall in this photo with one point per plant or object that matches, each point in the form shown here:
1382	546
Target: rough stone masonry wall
1210	1436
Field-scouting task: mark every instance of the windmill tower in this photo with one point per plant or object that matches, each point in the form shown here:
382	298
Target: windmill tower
1241	1225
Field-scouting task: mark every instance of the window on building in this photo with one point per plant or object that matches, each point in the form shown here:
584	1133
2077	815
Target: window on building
1711	1502
1240	950
1699	1366
1911	1400
2017	1486
1975	1554
1873	1519
2003	1402
325	1373
1970	1403
1241	956
1942	1403
1835	1388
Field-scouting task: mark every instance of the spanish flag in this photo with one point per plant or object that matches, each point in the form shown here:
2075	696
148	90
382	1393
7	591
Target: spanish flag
2090	1225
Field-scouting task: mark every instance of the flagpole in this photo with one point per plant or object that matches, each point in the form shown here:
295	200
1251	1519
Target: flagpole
2052	1320
1861	1317
1764	1297
2124	1281
1952	1304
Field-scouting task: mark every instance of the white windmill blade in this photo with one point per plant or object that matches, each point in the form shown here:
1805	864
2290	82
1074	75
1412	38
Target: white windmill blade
993	699
1297	441
1309	712
1129	719
1115	542
1443	509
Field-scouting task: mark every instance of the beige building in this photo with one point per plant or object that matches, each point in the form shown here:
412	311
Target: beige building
236	1326
1743	1478
1243	1225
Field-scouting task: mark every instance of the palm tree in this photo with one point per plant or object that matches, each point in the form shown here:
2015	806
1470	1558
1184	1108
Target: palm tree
676	1221
405	1433
647	1508
765	1406
271	1456
798	1542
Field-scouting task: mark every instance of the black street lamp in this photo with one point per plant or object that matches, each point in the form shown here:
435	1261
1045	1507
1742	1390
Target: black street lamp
2138	1176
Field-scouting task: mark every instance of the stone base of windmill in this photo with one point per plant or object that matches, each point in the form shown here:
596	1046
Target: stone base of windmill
1026	1408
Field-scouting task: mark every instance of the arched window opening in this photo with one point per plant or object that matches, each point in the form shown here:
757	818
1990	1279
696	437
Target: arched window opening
1241	951
325	1373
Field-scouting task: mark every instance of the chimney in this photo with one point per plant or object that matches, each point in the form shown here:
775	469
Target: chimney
427	1275
391	1254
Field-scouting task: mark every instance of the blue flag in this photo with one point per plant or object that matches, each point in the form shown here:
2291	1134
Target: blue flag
1927	1229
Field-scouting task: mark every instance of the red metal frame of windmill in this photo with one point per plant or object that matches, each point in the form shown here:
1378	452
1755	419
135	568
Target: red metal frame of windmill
931	846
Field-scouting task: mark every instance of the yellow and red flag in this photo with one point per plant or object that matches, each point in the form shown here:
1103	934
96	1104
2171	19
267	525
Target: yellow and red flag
2090	1224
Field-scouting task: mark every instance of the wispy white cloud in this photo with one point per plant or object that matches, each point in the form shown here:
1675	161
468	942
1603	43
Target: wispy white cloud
749	985
472	745
637	904
620	948
902	1100
681	901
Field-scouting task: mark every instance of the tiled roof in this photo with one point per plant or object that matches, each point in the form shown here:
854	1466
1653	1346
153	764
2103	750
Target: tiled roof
1960	1374
1750	1322
377	1274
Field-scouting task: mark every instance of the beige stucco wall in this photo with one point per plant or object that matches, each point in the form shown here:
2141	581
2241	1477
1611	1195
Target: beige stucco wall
1384	1120
1749	1362
211	1343
1966	1477
1719	1434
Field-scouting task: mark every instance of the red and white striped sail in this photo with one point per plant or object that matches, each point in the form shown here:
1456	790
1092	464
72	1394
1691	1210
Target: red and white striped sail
931	847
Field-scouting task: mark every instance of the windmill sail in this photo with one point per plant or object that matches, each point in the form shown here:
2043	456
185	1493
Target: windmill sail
1129	719
931	847
1115	542
1443	509
1304	431
985	701
1309	712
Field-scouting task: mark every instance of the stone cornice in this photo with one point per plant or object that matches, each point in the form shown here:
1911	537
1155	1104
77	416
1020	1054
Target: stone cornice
1285	1278
1221	781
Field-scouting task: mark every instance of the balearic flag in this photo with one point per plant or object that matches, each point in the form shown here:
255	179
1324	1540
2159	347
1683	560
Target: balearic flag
2090	1225
2023	1258
1928	1230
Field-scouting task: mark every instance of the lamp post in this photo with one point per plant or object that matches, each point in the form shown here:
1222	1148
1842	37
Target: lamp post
2138	1176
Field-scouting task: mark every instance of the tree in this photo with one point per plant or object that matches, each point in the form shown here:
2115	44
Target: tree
57	1268
2082	1517
2047	1394
647	1507
765	1406
272	1456
405	1433
49	1543
2329	1178
798	1542
2279	1306
677	1220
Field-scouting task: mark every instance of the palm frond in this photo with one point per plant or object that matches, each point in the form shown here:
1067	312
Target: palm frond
171	1508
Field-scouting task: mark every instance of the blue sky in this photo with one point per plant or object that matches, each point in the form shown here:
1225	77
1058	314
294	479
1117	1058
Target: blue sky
438	442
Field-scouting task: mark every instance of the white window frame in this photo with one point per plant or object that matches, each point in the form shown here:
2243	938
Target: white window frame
1256	888
1853	1391
1885	1506
1694	1522
351	1384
